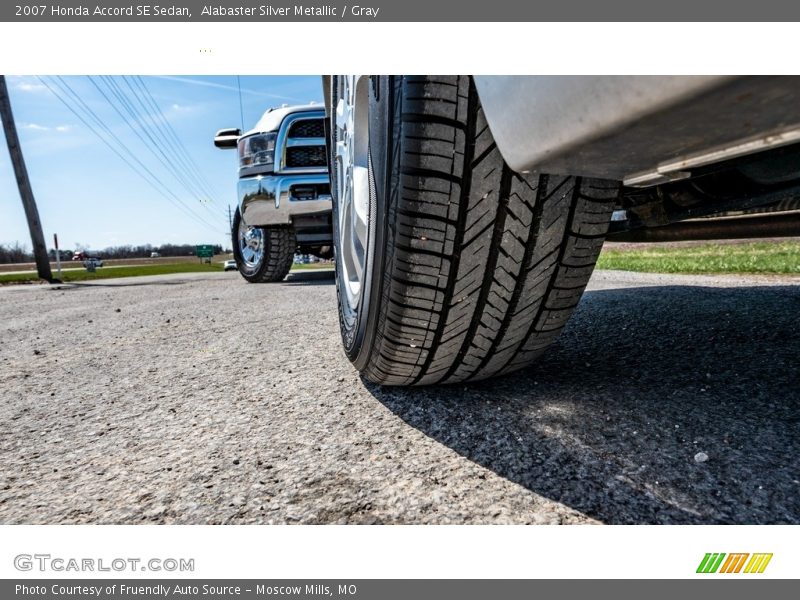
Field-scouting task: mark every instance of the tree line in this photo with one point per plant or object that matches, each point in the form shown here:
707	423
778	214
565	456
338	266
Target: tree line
19	253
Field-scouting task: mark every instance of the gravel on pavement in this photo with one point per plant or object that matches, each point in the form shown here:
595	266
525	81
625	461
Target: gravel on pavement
199	398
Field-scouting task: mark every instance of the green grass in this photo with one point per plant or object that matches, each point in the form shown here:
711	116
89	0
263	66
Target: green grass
109	273
752	257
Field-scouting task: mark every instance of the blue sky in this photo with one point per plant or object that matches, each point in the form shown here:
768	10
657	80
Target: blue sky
91	197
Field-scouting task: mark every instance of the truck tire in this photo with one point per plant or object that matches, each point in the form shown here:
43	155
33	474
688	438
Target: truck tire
263	254
467	269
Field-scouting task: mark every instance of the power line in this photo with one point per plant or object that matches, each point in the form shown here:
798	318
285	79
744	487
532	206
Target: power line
159	181
149	177
159	132
241	108
154	146
188	157
182	168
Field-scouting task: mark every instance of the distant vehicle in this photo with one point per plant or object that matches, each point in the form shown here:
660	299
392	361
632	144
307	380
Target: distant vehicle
155	255
284	192
83	256
92	262
230	265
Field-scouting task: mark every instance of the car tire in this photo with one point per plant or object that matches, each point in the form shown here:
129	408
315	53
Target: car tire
263	254
469	269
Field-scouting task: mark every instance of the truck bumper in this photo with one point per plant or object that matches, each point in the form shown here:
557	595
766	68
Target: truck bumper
277	199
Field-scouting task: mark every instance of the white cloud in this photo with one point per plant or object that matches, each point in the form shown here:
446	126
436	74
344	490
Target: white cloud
31	87
222	86
27	84
38	127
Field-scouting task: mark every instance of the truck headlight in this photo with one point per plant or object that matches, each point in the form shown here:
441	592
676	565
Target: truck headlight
257	151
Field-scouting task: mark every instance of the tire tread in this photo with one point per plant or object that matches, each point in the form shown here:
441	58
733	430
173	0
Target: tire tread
280	246
483	266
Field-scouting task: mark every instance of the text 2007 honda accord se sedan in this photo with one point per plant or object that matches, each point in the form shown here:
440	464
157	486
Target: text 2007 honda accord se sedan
468	212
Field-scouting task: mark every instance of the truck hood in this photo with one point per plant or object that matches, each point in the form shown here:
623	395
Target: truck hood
272	119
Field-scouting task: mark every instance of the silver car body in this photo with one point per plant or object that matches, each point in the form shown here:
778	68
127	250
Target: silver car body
642	130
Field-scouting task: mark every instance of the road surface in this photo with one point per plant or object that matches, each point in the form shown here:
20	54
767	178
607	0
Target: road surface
199	398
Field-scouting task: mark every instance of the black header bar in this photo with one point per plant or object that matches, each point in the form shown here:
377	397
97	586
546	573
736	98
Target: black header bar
405	10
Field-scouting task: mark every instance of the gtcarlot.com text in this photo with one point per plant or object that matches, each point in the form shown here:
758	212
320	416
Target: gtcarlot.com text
57	564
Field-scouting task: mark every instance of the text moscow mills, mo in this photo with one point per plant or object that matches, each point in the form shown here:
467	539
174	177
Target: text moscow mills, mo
179	590
208	10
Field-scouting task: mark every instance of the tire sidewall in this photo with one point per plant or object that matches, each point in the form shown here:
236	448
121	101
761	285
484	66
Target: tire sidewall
358	326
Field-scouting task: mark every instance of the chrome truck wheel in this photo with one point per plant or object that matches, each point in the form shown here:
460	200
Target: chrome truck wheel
251	247
263	254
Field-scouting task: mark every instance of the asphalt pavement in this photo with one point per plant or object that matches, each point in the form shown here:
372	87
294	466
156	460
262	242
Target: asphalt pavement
199	398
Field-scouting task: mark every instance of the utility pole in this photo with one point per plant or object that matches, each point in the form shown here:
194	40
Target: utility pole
58	255
24	184
230	227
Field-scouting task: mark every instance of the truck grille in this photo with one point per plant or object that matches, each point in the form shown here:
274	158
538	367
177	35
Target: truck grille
305	144
309	128
306	156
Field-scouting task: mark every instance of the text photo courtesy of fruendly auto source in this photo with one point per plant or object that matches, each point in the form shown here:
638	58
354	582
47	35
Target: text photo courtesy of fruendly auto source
399	299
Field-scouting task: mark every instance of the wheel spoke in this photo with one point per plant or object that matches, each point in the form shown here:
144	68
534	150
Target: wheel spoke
342	114
352	182
342	151
357	252
361	188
